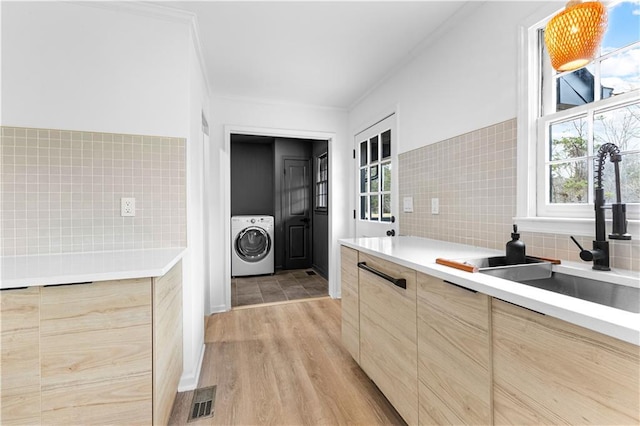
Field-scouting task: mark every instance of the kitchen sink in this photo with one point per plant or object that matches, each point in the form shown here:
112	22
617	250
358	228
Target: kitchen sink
496	266
601	292
538	273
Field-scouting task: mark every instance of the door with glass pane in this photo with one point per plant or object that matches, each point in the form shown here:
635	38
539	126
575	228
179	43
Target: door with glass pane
377	181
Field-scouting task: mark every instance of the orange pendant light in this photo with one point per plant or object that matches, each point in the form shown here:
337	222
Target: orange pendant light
573	35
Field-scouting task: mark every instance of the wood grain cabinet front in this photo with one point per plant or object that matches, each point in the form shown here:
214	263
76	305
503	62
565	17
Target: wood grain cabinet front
388	347
350	301
167	342
20	356
547	371
107	352
454	354
96	353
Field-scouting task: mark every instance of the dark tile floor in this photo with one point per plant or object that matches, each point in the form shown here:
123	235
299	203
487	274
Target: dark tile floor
280	287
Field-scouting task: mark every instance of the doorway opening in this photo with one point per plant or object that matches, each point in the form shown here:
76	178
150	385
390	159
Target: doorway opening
283	179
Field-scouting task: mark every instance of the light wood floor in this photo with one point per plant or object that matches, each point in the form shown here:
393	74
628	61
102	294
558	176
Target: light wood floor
284	365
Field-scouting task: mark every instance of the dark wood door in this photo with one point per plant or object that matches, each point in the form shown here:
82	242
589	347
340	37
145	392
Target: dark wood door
296	213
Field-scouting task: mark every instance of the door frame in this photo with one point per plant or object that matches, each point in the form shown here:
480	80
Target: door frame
225	173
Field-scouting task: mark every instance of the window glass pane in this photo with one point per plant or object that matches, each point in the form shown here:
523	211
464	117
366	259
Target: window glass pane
386	144
620	126
386	177
568	182
620	73
363	153
363	180
386	207
364	208
622	29
374	186
373	144
568	139
575	88
629	179
374	207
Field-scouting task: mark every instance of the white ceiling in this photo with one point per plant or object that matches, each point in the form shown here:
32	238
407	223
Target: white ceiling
317	53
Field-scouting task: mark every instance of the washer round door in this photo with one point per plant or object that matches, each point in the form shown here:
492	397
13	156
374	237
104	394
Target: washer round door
253	244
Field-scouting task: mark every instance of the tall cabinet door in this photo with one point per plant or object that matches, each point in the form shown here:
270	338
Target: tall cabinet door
167	342
95	350
20	356
350	301
388	347
454	354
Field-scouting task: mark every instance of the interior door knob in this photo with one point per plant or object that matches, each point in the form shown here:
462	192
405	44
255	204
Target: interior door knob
391	233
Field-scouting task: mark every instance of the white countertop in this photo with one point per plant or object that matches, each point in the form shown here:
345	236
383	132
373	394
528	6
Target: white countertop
65	268
420	254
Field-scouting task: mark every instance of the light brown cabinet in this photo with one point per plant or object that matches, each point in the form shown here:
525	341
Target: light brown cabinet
107	352
443	354
454	354
388	349
548	371
19	356
167	342
95	352
350	301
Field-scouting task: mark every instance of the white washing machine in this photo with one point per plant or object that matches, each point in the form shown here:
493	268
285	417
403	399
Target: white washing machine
252	245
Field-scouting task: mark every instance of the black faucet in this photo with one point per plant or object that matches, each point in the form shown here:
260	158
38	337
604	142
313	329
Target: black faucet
600	253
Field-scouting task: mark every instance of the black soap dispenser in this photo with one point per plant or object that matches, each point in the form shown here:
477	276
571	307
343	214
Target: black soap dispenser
515	249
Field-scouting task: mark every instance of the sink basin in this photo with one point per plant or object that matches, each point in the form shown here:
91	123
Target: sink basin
538	273
497	266
601	292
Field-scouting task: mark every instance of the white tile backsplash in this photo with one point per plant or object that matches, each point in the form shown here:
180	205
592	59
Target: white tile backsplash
61	191
474	177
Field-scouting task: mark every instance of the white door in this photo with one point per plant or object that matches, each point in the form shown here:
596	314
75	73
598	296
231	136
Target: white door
377	180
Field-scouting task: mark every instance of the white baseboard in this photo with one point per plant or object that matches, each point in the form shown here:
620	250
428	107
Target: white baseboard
189	381
218	308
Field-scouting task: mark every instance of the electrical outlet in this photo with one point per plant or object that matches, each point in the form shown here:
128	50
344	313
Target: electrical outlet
127	206
435	206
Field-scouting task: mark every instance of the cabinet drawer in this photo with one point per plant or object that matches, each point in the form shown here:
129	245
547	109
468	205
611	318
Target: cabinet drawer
453	354
388	347
350	303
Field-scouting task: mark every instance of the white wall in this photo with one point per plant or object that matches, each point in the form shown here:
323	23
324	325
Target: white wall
194	261
81	67
121	68
295	119
463	80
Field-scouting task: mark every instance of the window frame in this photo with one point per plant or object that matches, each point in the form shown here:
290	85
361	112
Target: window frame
380	193
531	176
320	182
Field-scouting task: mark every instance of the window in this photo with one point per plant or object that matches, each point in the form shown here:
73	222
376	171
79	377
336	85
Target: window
375	178
578	111
322	182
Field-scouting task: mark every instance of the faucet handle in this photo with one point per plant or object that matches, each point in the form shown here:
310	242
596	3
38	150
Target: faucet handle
586	255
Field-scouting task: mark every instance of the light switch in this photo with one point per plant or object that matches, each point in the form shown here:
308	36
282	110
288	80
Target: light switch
435	206
407	204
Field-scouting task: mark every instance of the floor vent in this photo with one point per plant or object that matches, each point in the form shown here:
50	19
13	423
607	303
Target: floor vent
311	273
203	403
